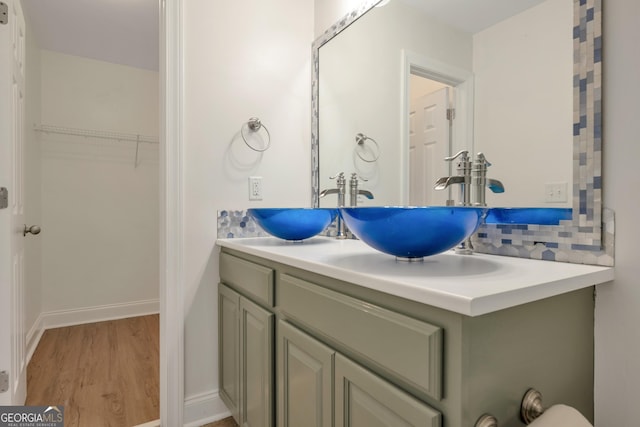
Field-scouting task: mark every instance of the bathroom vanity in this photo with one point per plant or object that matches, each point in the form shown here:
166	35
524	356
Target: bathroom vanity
334	333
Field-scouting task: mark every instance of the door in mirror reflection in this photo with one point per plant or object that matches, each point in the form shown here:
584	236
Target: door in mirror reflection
429	141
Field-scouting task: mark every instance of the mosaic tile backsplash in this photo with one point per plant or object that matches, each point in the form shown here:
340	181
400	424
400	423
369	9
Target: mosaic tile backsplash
548	242
237	223
545	242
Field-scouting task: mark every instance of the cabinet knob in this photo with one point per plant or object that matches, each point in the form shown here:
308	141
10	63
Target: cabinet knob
486	421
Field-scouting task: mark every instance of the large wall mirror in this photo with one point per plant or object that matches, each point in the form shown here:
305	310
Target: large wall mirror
423	79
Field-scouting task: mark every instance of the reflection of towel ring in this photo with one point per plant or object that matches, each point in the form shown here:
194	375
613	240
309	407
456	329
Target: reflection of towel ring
254	125
360	140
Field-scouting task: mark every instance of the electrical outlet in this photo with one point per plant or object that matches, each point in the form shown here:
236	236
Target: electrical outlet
255	188
556	192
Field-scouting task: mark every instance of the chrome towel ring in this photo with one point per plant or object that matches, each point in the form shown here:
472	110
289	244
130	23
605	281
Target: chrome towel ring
253	126
360	140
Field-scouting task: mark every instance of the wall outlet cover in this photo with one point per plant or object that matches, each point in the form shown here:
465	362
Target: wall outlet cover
255	188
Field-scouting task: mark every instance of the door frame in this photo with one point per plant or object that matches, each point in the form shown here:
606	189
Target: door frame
461	79
171	216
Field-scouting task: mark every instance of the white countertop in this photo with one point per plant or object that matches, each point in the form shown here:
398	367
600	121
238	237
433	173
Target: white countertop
468	284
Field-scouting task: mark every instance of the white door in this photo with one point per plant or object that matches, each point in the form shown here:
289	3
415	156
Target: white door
429	130
12	93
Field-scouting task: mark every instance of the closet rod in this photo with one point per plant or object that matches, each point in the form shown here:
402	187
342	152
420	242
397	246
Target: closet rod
96	134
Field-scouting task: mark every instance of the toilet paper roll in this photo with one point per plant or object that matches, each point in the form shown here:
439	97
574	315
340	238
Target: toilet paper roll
561	416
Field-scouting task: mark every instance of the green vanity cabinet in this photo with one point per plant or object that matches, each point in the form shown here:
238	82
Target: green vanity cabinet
229	348
346	355
318	387
246	346
363	399
305	379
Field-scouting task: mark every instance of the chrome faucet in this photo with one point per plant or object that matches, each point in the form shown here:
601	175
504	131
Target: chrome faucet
463	177
472	177
354	191
340	190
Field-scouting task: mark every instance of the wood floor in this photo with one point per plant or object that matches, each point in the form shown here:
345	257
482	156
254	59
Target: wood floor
105	374
227	422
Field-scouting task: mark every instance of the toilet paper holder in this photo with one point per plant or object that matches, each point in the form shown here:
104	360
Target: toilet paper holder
530	409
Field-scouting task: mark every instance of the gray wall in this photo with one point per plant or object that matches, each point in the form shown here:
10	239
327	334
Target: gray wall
618	304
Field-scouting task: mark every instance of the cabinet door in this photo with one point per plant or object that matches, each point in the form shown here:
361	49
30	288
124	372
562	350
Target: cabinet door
229	348
363	399
305	379
256	361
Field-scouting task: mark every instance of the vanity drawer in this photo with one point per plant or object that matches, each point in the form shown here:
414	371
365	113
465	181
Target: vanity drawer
254	280
402	346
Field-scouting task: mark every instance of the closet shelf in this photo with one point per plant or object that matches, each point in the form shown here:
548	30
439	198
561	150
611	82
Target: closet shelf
91	133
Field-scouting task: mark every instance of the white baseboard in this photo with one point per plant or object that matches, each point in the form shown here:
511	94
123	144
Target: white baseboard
204	408
33	337
79	316
199	410
100	313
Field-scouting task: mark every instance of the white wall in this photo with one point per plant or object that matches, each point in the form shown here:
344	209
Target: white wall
617	361
241	59
539	133
99	213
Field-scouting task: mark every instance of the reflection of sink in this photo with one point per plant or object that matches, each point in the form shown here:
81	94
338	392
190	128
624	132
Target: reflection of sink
412	232
293	223
540	216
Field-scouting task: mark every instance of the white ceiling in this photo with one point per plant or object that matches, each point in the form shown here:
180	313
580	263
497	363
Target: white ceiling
118	31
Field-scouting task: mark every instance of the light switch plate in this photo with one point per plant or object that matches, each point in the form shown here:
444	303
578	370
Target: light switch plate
556	192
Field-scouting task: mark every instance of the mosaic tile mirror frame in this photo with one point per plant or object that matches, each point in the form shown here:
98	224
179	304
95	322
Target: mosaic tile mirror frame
588	237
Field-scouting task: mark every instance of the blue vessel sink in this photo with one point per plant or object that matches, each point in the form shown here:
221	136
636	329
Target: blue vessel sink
413	232
293	223
539	216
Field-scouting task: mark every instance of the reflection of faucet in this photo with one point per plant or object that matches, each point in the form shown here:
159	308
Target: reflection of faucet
354	192
340	191
463	178
480	182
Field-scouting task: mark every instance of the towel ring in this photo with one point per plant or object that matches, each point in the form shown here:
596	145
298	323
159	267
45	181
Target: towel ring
254	125
360	140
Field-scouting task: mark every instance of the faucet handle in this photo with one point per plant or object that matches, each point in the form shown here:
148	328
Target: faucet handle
355	177
481	159
340	181
463	153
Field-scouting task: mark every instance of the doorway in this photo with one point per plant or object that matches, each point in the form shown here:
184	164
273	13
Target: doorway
430	130
443	95
97	165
